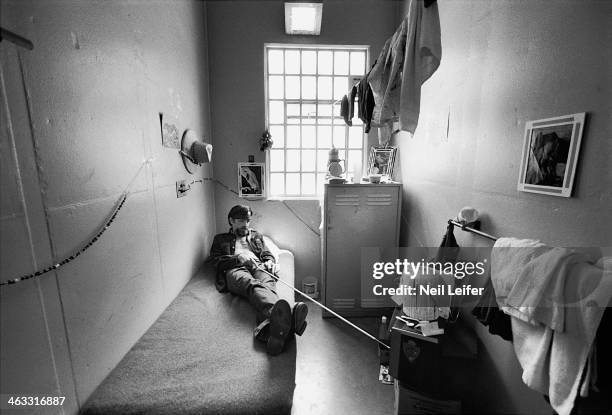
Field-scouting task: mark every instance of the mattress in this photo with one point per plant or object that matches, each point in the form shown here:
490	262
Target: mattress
199	357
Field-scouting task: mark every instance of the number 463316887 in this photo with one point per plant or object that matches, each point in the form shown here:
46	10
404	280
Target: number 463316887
36	400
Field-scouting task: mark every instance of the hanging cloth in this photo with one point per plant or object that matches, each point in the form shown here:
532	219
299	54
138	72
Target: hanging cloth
448	252
449	249
365	106
407	60
346	111
489	314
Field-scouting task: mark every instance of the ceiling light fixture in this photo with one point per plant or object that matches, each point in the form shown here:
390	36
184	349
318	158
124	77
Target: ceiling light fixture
303	18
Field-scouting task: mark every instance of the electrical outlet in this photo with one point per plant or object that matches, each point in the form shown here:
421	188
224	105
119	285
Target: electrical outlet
182	188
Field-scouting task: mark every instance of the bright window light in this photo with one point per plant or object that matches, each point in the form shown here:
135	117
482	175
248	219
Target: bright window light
303	18
303	90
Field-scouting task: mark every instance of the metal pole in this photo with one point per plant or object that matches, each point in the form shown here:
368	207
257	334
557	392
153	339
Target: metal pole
259	267
468	229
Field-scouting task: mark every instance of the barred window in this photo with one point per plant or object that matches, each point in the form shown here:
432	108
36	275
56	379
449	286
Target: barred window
304	89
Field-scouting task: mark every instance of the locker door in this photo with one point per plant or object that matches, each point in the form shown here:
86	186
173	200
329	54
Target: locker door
357	216
383	205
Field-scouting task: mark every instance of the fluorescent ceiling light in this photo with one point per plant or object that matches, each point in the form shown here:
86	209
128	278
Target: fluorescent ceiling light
303	18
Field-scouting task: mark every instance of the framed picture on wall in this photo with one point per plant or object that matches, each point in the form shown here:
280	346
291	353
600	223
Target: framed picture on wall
251	180
381	160
550	155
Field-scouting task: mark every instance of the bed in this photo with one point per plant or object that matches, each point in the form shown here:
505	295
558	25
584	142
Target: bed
200	357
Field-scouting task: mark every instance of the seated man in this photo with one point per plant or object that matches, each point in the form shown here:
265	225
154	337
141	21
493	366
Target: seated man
239	256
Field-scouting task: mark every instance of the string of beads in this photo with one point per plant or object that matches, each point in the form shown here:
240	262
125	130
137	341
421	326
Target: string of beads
103	229
69	259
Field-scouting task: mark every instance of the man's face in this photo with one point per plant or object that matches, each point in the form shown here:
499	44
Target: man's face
240	226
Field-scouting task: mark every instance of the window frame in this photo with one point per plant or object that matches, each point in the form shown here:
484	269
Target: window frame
266	75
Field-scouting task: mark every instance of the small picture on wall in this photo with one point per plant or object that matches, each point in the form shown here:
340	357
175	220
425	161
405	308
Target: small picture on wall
381	160
251	178
550	154
169	131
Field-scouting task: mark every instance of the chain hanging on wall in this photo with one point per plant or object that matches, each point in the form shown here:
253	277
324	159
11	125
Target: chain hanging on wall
107	224
226	187
103	228
65	261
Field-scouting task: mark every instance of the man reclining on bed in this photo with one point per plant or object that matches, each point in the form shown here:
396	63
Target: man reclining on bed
238	255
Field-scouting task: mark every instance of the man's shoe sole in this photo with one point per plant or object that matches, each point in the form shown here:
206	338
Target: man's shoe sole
280	327
300	311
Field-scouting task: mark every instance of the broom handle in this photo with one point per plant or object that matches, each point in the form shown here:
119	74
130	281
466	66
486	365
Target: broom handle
259	267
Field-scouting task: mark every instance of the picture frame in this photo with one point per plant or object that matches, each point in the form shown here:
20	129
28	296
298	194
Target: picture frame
550	154
251	180
381	160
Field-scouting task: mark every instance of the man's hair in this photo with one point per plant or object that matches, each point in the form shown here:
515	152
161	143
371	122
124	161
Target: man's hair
239	212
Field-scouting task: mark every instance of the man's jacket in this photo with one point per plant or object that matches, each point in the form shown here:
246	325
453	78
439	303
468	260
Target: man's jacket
222	254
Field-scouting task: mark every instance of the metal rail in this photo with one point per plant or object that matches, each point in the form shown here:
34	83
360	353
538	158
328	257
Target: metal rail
259	267
472	230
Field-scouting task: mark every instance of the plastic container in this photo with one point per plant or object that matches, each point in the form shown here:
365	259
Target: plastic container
310	286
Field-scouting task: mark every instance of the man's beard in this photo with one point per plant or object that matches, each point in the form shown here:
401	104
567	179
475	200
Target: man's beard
242	231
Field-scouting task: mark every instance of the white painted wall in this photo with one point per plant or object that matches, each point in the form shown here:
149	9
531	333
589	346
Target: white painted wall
504	63
79	115
237	33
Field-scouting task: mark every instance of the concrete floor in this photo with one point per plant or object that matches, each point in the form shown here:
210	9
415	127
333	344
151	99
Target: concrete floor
337	369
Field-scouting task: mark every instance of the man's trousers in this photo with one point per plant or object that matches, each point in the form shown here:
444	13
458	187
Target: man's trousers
256	286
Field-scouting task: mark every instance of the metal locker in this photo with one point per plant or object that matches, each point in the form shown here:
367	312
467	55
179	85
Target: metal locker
355	216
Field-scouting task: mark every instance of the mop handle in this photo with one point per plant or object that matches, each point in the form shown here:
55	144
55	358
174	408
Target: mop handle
259	267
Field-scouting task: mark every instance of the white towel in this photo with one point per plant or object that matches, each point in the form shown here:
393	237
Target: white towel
567	292
509	258
530	279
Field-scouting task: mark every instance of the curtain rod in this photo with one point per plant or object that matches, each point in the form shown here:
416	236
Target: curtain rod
469	229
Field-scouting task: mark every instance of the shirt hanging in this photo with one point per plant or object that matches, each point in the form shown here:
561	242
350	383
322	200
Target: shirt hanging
407	60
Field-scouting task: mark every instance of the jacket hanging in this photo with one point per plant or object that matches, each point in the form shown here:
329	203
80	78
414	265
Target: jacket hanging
407	60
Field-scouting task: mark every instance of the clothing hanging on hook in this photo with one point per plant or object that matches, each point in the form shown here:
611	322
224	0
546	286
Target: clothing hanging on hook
363	92
488	313
407	60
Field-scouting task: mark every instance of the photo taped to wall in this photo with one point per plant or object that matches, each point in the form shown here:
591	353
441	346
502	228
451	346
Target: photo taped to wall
251	178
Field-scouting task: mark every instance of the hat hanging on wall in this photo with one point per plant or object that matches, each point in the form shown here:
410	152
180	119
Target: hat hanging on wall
194	152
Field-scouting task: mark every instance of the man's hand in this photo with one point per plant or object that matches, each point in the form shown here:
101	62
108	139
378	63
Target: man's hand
247	259
271	266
